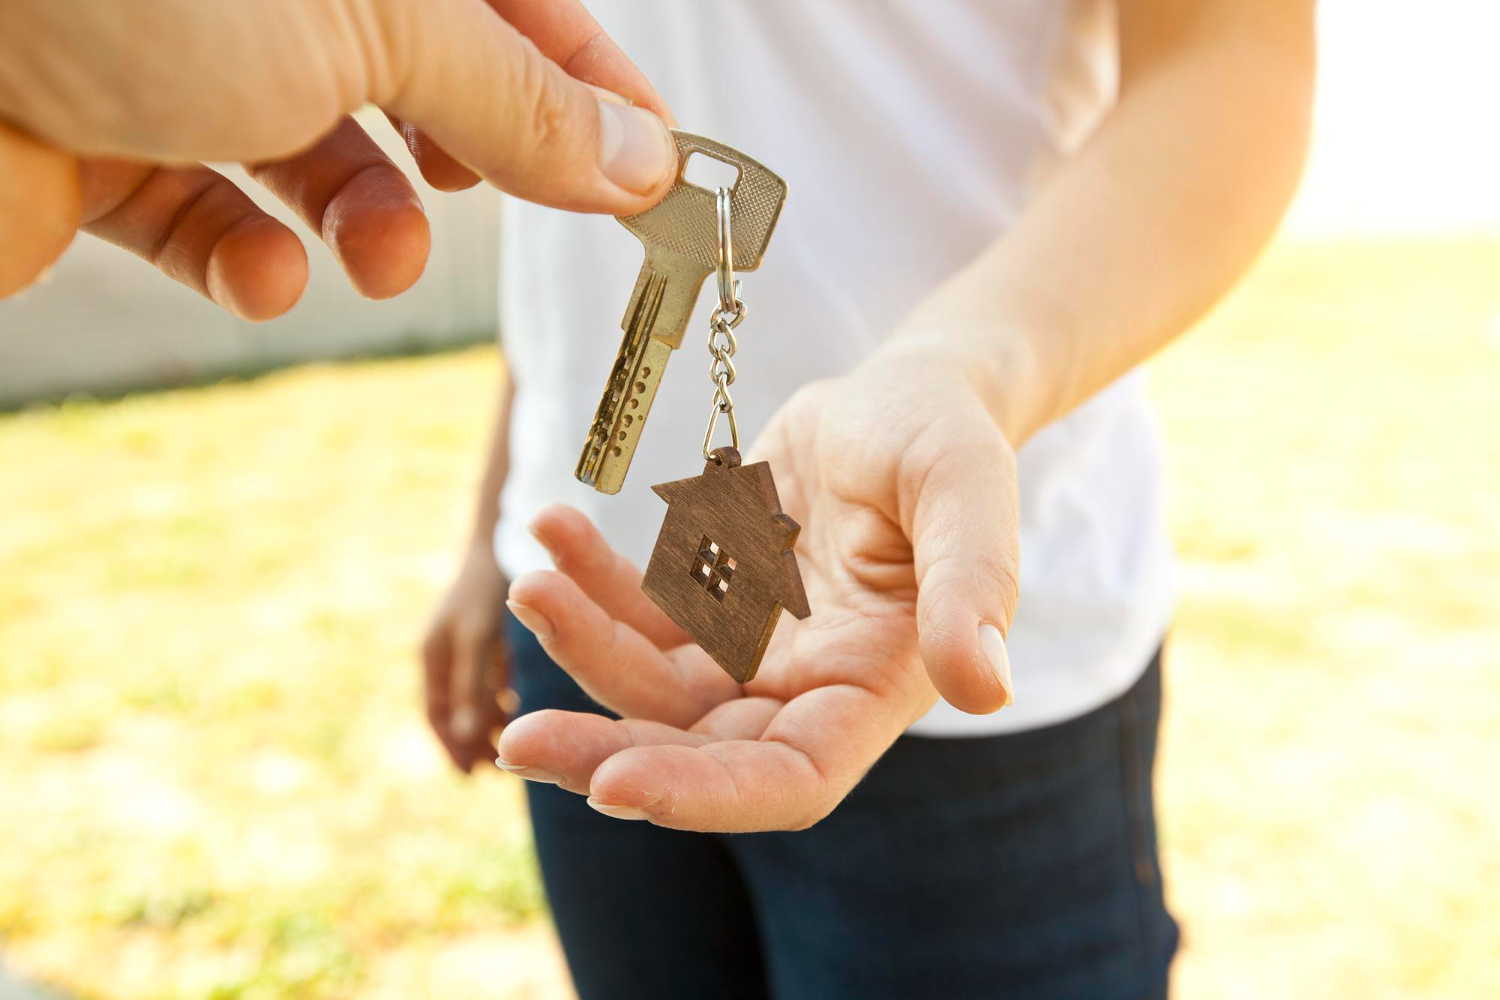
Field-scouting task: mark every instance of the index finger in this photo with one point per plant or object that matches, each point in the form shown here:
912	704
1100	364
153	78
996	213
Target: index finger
198	228
350	193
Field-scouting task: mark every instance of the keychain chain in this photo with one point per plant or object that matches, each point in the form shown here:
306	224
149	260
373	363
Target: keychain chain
729	314
723	569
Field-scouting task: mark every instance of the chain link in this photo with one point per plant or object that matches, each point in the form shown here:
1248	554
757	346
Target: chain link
730	314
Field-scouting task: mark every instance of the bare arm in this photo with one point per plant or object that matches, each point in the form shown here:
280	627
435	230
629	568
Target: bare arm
496	466
464	655
910	543
1147	225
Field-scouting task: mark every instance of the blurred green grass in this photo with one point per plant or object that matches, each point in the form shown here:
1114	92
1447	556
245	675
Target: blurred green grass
214	756
1333	729
216	781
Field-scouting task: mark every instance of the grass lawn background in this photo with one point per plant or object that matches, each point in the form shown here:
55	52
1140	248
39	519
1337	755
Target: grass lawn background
215	778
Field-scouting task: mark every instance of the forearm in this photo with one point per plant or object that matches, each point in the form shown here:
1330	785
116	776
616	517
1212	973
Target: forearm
1148	224
496	467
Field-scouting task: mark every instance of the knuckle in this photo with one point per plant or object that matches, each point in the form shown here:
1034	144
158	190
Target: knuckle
549	117
1005	585
948	578
926	450
1007	574
547	107
955	583
550	121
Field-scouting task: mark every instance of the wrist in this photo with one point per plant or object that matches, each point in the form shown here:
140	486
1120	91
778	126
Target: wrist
481	539
998	367
486	517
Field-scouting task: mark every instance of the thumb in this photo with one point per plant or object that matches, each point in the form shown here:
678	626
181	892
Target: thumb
485	93
958	481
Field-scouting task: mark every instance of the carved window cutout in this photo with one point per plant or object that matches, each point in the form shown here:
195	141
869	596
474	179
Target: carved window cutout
713	568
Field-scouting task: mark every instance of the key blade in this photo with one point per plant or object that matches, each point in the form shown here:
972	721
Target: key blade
616	430
655	321
667	319
676	223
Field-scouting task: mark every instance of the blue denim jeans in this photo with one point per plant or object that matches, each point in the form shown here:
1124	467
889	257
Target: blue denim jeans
1022	865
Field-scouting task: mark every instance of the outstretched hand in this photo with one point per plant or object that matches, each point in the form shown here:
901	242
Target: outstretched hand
905	489
106	111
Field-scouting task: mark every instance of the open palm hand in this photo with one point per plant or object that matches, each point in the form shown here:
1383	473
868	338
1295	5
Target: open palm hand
906	493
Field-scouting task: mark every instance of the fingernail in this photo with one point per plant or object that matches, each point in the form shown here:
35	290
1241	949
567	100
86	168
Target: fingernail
533	619
635	150
529	773
992	645
617	812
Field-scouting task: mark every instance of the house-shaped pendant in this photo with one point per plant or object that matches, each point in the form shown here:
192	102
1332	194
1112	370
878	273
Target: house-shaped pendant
723	567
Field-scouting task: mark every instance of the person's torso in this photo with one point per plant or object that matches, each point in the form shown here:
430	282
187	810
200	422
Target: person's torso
911	136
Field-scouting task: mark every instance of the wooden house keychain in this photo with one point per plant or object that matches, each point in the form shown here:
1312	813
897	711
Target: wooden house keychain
724	566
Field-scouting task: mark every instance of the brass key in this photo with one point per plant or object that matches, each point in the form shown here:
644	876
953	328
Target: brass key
680	235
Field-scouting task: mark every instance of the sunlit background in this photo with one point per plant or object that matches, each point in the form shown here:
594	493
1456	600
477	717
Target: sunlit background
215	779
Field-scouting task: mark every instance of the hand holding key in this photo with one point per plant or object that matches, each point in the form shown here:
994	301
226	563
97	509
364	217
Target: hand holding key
139	97
909	554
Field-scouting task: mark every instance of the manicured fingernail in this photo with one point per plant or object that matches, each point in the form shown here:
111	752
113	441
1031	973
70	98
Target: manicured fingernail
617	812
635	150
529	773
992	645
533	619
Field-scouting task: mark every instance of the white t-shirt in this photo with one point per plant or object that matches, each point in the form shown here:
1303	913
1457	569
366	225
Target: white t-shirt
910	135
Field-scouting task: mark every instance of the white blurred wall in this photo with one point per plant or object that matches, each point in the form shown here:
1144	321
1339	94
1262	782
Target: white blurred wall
105	321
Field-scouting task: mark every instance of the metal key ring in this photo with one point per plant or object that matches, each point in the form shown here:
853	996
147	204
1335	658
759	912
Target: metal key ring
728	293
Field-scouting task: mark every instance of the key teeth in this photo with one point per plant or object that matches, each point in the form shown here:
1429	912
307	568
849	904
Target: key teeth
603	487
591	466
645	304
582	472
617	426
